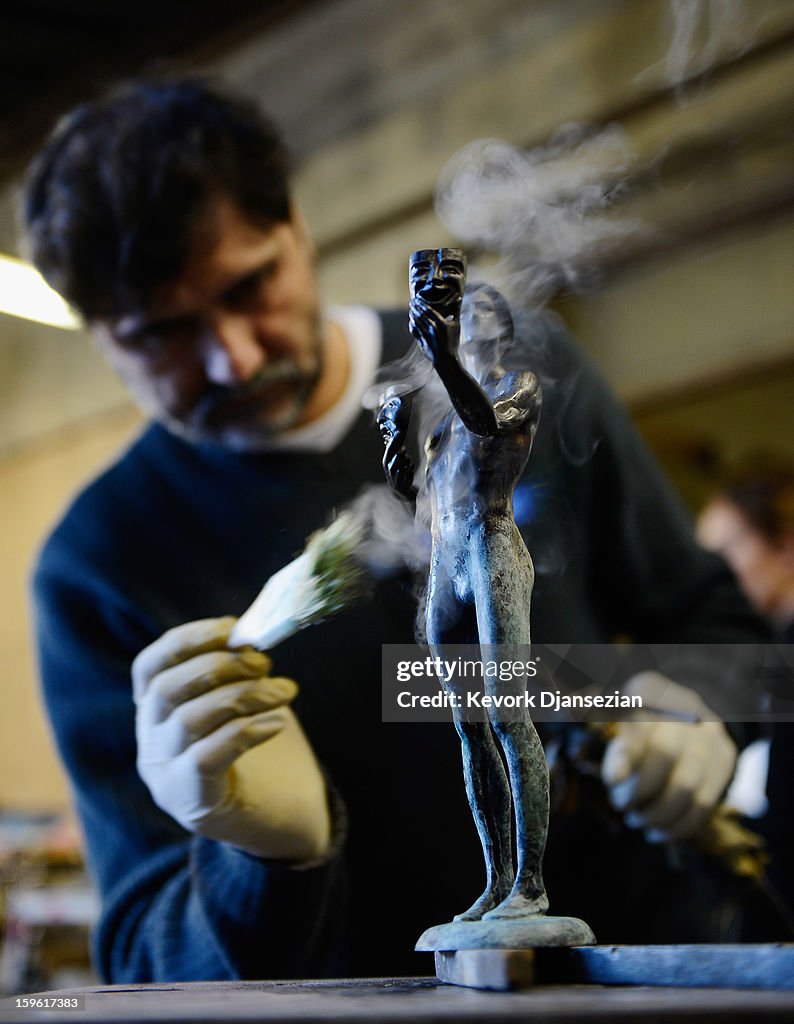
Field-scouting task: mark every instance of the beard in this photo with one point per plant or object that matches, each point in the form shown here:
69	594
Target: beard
247	416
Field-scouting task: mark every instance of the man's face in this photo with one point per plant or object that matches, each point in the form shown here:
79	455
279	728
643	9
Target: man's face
763	570
231	350
438	276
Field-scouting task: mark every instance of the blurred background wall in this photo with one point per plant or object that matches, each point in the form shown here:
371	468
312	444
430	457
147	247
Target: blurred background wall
691	318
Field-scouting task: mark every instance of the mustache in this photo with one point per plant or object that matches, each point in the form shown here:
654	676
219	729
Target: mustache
218	398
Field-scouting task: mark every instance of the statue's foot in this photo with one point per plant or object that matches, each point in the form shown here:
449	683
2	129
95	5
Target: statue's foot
518	905
490	899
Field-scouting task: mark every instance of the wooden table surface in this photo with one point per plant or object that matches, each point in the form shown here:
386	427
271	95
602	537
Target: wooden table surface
418	1000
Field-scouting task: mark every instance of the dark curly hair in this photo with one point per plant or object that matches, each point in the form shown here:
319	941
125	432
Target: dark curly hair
111	202
765	497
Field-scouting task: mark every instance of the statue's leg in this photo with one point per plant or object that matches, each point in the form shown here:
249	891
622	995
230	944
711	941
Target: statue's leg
449	620
502	578
529	782
489	798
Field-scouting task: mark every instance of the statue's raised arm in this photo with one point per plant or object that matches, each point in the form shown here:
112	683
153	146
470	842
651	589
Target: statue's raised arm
437	280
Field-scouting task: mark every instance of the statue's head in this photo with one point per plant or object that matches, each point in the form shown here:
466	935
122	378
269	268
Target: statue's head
438	276
486	325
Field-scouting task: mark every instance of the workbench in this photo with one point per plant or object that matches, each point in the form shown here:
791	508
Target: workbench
414	1000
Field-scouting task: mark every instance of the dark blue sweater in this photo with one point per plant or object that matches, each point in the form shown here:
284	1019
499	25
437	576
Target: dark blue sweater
174	532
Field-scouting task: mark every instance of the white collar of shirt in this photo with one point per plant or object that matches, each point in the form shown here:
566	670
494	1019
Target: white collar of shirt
362	329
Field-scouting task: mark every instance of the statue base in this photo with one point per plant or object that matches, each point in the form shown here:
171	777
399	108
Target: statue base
498	969
499	954
507	933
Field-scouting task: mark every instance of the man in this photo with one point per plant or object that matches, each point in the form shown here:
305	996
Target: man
750	522
226	839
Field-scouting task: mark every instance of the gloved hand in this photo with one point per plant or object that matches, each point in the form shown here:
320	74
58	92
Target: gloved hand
220	749
668	775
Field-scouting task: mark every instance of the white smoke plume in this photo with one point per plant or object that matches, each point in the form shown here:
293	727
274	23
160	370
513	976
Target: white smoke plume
701	33
392	539
541	213
546	217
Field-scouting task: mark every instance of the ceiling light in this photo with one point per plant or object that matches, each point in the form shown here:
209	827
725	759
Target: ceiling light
25	293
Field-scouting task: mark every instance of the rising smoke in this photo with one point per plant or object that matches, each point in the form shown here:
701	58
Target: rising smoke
540	215
702	32
536	222
392	538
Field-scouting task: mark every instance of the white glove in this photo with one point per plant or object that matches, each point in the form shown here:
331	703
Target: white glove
219	748
668	776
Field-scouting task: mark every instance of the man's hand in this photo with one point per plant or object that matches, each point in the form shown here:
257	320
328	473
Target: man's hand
220	749
668	775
